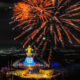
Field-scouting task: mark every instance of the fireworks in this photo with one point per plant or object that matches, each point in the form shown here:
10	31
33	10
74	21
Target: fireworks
46	21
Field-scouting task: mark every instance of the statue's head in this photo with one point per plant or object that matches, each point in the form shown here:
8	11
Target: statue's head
29	46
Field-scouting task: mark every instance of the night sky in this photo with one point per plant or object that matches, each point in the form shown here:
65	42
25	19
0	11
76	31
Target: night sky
65	56
6	33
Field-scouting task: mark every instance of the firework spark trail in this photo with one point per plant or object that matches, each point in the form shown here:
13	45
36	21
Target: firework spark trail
73	6
44	20
50	54
72	25
74	14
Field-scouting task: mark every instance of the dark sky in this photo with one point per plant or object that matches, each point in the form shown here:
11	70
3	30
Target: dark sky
6	34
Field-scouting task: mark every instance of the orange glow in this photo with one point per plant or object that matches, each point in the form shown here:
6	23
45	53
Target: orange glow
21	11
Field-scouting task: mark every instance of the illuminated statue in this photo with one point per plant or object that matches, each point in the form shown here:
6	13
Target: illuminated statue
28	51
29	60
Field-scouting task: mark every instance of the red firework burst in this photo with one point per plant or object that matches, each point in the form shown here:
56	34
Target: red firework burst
47	21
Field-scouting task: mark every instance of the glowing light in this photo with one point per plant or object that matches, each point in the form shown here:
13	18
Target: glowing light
44	38
29	61
21	11
56	65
